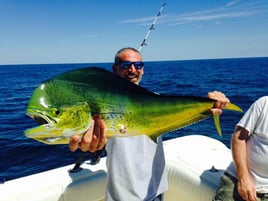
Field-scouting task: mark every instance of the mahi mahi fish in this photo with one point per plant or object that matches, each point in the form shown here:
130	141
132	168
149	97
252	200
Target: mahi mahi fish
66	104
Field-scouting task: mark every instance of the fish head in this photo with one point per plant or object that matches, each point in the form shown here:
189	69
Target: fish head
58	120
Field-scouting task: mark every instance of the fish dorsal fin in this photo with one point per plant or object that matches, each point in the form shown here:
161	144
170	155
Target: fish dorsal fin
94	76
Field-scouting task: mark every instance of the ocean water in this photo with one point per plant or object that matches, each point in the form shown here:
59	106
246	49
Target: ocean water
243	80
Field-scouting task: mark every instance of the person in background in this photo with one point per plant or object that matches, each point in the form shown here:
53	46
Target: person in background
247	176
136	168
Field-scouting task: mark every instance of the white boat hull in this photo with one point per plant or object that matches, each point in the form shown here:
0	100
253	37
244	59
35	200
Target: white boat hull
195	165
189	161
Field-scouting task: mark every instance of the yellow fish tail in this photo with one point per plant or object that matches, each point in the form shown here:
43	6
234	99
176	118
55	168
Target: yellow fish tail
217	123
216	117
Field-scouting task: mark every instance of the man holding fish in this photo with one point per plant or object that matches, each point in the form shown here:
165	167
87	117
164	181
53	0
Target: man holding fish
136	167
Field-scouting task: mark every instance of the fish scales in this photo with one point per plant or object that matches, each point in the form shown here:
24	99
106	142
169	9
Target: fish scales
65	105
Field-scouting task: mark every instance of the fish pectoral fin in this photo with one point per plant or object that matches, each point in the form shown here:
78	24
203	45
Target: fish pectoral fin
216	118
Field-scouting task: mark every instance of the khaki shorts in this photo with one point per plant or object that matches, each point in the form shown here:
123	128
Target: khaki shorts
228	190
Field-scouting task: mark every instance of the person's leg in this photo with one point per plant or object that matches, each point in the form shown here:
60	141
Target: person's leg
262	197
227	190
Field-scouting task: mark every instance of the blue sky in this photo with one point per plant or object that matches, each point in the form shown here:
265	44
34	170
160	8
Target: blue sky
77	31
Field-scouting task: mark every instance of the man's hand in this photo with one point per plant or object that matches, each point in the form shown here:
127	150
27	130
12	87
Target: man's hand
246	189
221	101
94	139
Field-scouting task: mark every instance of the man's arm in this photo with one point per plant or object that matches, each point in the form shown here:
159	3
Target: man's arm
245	185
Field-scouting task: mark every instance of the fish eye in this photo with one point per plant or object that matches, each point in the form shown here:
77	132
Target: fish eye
57	112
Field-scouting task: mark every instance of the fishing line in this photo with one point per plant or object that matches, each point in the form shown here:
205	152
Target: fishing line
152	27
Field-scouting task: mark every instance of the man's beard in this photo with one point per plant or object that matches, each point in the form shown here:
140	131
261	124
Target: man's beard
135	76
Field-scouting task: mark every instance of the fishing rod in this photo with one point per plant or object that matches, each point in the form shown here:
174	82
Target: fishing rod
152	27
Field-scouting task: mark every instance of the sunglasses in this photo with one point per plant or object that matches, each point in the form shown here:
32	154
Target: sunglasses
127	64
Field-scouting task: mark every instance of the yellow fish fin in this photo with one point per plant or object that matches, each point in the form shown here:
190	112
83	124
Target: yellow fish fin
233	107
216	117
217	123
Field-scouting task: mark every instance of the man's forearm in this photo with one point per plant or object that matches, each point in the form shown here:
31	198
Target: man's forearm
239	152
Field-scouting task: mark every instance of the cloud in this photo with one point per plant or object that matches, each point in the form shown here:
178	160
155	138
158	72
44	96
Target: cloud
232	3
138	20
233	9
208	17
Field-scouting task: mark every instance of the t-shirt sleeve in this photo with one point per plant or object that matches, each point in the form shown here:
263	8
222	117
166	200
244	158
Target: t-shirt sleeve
251	117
